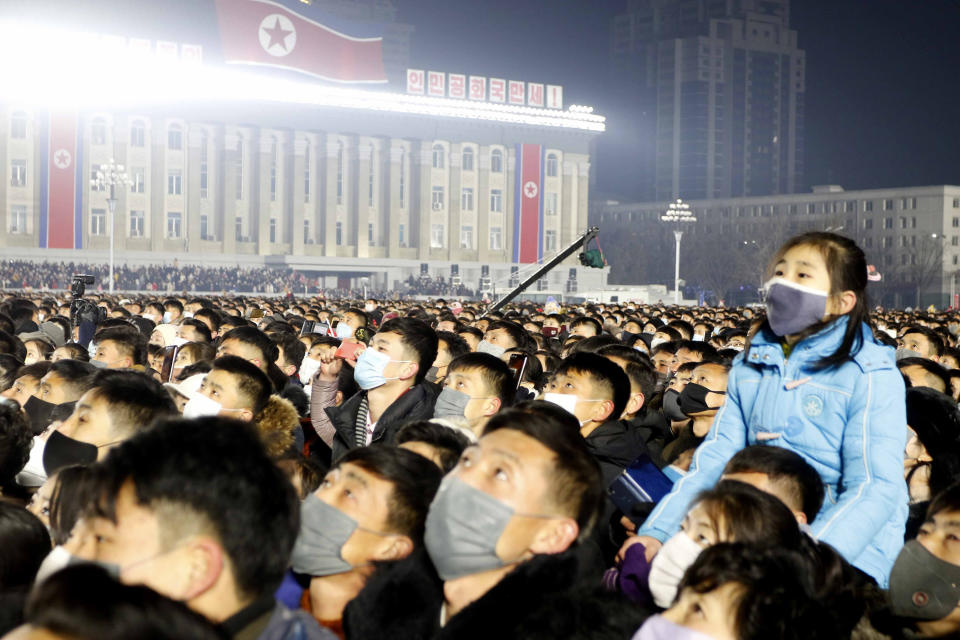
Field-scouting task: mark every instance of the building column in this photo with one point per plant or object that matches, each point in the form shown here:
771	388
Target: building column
158	188
509	215
121	211
482	207
329	237
191	184
227	202
394	212
365	159
296	202
424	211
568	204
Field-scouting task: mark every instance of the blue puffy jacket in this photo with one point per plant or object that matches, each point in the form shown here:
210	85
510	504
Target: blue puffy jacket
849	422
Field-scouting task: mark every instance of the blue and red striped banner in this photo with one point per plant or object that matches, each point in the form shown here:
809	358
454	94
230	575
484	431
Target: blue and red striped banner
528	205
61	178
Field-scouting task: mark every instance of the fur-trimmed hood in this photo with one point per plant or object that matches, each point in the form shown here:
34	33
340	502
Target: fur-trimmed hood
276	424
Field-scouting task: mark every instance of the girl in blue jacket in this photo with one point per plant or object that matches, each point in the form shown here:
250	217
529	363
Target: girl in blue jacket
814	381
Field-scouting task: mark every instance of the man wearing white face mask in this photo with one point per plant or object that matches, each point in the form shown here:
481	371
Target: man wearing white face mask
595	390
501	336
389	373
353	319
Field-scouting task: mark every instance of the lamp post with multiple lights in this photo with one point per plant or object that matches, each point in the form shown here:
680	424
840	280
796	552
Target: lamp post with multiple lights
111	175
677	213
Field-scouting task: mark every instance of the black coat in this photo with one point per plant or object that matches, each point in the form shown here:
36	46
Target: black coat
415	404
544	598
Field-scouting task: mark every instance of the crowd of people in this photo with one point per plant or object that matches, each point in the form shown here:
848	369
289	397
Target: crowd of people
281	468
177	278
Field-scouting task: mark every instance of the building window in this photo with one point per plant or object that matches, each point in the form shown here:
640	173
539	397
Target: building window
136	224
238	233
273	230
496	239
204	227
467	159
273	170
98	131
137	179
550	240
203	166
887	242
496	201
306	175
956	203
552	163
956	222
868	223
138	134
370	233
903	258
306	232
18	173
868	205
18	125
401	235
436	198
851	206
18	218
903	222
238	179
174	224
439	160
888	223
402	178
466	237
955	240
811	207
466	199
175	182
436	236
339	238
888	205
339	173
913	222
496	161
95	185
550	204
175	138
913	203
98	222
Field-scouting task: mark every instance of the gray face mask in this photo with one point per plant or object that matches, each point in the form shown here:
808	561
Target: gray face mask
324	530
432	374
451	403
922	586
463	527
494	350
671	406
903	354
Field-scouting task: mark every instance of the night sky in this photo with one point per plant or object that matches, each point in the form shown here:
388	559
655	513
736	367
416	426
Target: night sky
883	76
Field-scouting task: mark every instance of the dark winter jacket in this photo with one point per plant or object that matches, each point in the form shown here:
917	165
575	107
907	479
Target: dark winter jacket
543	598
415	404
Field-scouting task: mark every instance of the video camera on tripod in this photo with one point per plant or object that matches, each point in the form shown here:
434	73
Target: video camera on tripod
84	310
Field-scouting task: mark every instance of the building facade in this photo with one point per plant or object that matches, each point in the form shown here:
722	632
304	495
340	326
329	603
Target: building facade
911	238
717	89
328	191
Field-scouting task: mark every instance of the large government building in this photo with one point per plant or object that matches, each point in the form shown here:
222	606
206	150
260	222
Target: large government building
381	173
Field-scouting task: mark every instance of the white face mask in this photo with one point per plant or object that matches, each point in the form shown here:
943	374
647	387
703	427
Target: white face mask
698	337
344	331
92	349
368	308
200	406
188	314
167	316
308	367
656	342
58	558
669	565
567	401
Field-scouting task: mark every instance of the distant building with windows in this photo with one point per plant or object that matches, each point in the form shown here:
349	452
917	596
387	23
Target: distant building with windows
911	237
716	91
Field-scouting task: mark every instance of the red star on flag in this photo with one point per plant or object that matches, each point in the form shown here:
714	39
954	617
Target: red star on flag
278	35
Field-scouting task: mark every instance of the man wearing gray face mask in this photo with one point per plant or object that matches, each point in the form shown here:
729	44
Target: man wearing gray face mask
369	510
503	534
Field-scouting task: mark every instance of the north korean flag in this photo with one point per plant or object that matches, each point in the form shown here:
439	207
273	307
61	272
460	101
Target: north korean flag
269	33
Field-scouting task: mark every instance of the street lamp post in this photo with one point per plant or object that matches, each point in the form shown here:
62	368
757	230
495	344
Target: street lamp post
677	213
111	175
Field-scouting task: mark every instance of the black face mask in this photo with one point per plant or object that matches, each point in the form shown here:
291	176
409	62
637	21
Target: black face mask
62	451
922	586
693	399
671	406
39	412
626	336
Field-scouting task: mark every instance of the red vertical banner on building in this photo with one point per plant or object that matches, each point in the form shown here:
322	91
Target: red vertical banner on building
63	158
528	204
